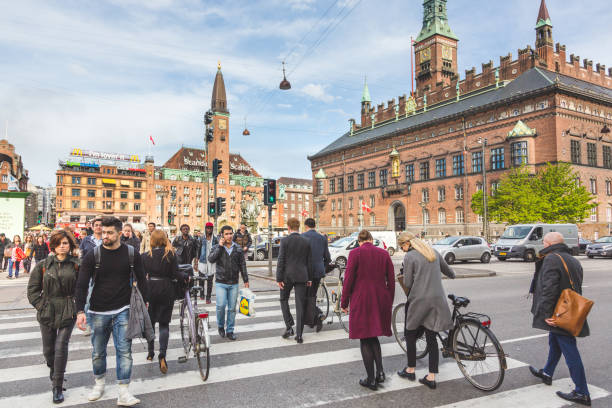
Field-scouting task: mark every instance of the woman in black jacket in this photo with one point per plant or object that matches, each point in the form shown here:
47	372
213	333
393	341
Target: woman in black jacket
161	267
41	250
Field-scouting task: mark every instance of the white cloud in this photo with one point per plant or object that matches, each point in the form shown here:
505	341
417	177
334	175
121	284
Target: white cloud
284	105
317	91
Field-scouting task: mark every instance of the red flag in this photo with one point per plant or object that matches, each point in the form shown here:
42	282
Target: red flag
151	139
364	207
304	213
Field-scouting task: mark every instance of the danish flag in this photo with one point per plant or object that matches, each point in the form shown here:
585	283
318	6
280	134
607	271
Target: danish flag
364	207
304	213
151	139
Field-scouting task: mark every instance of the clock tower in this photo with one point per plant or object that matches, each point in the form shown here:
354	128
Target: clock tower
435	48
219	147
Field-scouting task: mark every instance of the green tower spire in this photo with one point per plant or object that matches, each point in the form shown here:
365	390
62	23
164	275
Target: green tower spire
366	92
435	20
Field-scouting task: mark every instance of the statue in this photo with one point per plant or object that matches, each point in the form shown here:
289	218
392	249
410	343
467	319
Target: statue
250	210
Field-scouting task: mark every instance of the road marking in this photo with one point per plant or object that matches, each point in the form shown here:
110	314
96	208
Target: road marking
142	386
84	365
532	396
537	336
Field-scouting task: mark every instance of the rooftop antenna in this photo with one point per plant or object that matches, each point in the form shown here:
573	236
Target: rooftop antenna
284	85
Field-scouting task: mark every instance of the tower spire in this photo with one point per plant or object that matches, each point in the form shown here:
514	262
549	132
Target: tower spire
435	21
543	16
219	100
366	92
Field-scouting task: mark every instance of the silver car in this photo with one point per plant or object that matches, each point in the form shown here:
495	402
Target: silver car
463	248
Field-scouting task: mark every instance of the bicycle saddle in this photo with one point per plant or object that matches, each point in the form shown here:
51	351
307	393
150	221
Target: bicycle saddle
459	301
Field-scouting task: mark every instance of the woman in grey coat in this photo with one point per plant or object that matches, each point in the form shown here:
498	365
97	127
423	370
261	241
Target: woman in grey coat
426	307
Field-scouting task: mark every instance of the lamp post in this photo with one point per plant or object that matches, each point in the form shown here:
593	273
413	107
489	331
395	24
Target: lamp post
320	178
485	210
423	204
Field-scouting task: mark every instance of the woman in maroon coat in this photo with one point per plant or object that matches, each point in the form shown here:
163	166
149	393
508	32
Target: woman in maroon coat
369	287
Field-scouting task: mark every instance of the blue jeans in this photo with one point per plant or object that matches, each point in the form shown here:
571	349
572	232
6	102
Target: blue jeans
566	345
227	295
10	268
101	328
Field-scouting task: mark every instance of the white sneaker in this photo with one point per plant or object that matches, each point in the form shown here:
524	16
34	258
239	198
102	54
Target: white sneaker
98	390
125	398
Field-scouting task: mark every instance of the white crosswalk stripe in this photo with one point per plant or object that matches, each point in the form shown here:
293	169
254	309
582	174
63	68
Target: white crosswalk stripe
259	352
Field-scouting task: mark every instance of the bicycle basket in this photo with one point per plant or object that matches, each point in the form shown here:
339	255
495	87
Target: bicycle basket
483	319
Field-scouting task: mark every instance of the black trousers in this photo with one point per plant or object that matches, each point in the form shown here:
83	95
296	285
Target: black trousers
208	283
312	293
432	348
300	304
55	350
5	262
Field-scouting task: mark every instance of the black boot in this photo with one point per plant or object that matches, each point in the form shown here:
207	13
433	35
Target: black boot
58	394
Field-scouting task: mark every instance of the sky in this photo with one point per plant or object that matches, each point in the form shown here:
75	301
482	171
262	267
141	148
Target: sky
105	74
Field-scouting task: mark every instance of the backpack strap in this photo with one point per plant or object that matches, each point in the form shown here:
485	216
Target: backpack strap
131	261
97	259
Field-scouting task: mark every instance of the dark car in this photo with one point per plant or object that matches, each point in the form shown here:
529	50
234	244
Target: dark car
259	252
582	243
601	247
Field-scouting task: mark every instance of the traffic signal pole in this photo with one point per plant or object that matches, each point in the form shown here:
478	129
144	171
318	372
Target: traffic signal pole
215	201
269	240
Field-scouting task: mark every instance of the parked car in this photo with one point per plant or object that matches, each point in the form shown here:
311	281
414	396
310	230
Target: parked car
388	237
463	248
583	243
525	240
601	247
340	249
259	252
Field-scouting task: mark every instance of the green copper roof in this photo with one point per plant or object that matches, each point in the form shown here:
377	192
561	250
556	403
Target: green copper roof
435	20
521	130
366	93
542	23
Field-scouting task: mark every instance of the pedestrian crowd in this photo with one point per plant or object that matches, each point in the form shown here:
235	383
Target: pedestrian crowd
88	283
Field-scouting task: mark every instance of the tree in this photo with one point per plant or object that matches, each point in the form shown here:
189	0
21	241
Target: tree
551	196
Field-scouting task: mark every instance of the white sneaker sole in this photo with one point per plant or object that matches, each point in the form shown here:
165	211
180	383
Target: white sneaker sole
131	403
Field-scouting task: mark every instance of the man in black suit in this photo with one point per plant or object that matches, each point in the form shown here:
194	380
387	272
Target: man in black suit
294	270
319	251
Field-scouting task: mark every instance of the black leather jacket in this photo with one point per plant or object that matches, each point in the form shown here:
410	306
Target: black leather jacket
186	249
229	267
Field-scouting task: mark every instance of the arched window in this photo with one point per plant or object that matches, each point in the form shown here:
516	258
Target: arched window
426	216
441	216
459	215
339	221
333	221
351	221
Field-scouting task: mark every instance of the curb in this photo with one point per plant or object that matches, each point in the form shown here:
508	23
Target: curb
269	278
483	274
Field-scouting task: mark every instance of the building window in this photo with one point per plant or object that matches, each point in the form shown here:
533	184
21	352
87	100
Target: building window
608	187
440	168
332	186
60	179
458	192
351	221
333	221
185	190
607	157
123	194
425	216
372	201
360	181
138	195
592	154
91	205
383	177
138	184
409	173
441	194
594	214
477	162
425	195
575	151
91	181
91	193
76	192
459	215
76	204
478	186
333	205
441	216
497	158
137	208
371	179
76	180
609	214
350	203
350	183
593	186
340	187
372	220
108	193
75	218
320	187
518	153
123	206
494	187
339	205
5	178
424	167
458	165
339	221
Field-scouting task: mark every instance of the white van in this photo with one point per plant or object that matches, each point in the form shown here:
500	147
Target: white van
525	240
388	237
339	250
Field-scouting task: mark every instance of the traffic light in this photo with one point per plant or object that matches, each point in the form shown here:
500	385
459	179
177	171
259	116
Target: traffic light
220	205
210	135
39	218
269	191
170	218
217	167
212	209
208	117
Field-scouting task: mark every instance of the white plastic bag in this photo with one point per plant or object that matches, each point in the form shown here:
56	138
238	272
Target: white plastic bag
246	302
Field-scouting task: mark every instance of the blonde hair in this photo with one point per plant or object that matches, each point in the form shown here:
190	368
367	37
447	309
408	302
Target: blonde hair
418	244
160	240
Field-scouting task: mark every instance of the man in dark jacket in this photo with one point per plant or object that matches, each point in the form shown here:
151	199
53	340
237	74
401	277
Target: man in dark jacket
294	270
243	238
187	247
93	240
230	264
4	242
319	252
206	268
550	279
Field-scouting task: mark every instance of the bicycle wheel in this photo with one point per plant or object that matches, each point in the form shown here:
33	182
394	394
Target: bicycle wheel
479	355
323	301
202	350
342	317
185	328
399	325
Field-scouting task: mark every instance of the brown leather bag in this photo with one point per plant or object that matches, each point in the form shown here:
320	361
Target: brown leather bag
572	308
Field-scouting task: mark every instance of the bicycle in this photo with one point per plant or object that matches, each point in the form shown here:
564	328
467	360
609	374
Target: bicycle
323	297
469	342
194	328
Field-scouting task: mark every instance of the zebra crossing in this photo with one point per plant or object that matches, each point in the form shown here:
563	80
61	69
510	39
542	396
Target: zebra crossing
260	369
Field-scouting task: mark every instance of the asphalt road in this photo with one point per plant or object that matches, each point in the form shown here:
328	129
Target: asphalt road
263	370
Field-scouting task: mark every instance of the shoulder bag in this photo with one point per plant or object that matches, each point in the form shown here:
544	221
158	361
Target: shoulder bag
572	308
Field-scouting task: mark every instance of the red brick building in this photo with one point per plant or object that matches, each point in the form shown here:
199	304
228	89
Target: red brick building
13	177
294	200
417	161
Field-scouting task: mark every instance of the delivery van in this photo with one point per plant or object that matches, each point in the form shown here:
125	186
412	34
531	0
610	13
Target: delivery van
524	241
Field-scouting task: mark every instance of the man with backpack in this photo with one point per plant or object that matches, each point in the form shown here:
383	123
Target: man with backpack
110	266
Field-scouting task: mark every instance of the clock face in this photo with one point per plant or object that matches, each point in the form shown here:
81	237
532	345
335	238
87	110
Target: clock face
222	124
447	53
425	54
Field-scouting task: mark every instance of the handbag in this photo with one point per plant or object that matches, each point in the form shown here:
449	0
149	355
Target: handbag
572	308
246	302
400	280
